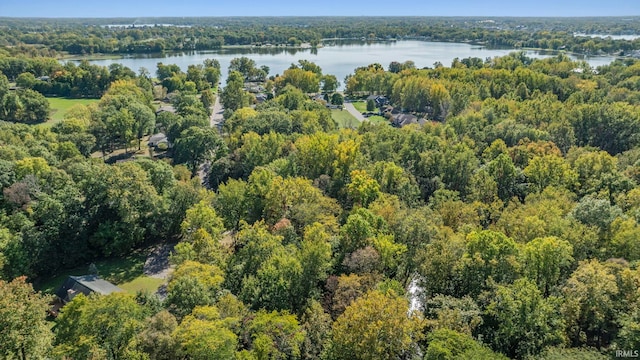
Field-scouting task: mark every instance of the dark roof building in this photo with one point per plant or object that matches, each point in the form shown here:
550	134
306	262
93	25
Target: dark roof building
158	139
379	100
402	119
86	285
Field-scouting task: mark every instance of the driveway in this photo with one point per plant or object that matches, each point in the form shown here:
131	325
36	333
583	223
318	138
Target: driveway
352	110
216	113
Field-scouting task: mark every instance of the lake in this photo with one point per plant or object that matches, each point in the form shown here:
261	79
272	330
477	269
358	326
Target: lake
339	59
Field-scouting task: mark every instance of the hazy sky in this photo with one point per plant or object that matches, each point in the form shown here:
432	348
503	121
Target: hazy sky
140	8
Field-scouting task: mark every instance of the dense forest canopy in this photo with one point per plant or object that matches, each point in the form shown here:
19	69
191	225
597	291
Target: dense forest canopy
505	224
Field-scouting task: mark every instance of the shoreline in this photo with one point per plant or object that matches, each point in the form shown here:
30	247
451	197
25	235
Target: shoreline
307	46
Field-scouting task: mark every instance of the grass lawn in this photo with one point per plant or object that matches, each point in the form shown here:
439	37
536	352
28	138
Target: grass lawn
344	119
60	106
377	119
141	283
361	106
125	271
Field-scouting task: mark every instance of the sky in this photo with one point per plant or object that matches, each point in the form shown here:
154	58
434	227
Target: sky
161	8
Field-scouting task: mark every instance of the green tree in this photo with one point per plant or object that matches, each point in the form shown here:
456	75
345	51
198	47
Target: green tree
106	324
337	99
447	312
489	254
202	216
440	266
504	173
207	98
362	189
329	83
233	96
254	245
275	284
520	322
391	335
291	98
315	258
24	333
371	105
316	324
193	284
156	338
275	335
26	80
589	305
36	107
203	335
244	66
545	260
120	203
197	145
305	80
231	201
550	170
446	344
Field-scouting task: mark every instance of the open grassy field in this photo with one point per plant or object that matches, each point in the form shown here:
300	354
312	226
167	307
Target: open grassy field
125	272
344	119
377	119
60	106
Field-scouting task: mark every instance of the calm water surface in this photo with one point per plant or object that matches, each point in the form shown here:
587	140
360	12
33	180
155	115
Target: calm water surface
339	59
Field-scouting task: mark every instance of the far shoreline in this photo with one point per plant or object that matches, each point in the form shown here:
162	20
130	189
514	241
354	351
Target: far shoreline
323	44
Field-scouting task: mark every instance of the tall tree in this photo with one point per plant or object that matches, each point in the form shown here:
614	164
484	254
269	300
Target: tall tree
233	96
24	333
99	324
391	335
197	145
520	322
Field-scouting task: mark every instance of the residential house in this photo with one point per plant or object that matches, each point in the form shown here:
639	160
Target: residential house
379	100
158	139
85	284
402	119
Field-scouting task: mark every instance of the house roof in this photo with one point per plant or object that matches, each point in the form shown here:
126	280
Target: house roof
85	284
377	98
407	119
157	137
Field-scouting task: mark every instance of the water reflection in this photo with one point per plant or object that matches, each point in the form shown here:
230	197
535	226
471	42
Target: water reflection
339	58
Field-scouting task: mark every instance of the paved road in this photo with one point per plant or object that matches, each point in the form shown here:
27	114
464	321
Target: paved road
216	113
352	110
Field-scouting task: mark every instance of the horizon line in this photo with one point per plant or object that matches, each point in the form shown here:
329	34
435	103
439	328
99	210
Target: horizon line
320	16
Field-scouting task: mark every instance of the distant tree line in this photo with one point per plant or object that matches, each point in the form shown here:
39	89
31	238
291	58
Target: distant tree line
90	37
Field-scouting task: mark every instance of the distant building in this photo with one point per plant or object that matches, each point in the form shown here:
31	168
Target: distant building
402	119
261	97
379	100
158	139
86	285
